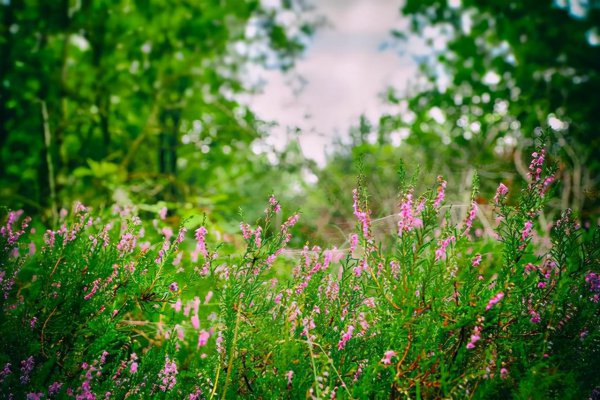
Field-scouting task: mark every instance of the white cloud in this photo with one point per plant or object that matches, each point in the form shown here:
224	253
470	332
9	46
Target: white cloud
344	72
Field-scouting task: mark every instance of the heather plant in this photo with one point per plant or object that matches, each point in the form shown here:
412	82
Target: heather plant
436	309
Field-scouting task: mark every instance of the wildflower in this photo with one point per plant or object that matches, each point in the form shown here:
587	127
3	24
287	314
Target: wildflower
33	322
203	338
535	167
162	213
363	217
173	287
387	357
54	388
471	217
440	252
475	336
195	322
26	368
440	193
500	193
362	266
209	296
95	286
168	375
201	239
345	337
408	220
494	300
289	375
246	230
257	237
133	368
5	372
546	184
353	242
503	373
275	204
127	243
535	317
526	232
476	260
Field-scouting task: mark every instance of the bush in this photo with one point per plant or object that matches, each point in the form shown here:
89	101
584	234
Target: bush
438	309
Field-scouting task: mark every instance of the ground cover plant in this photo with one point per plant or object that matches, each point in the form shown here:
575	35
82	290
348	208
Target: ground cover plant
123	305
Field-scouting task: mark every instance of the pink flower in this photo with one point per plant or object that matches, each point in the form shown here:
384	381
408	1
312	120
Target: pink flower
134	367
440	252
345	337
387	357
195	322
526	232
275	204
476	260
201	241
441	192
362	216
535	317
353	242
494	300
500	193
203	338
471	217
289	375
246	231
257	237
163	213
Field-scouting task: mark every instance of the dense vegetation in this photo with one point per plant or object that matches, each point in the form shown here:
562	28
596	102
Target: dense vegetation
147	249
119	308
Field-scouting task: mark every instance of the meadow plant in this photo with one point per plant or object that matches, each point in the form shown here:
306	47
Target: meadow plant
128	309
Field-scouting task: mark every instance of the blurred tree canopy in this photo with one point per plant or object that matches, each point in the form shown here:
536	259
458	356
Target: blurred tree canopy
496	77
501	73
106	100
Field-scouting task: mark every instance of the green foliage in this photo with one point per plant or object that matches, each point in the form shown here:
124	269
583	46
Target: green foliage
134	101
437	309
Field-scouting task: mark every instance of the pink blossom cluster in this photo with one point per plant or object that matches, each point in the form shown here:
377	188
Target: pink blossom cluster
9	230
494	300
535	167
345	337
409	219
363	217
127	243
470	217
440	252
276	207
500	193
526	232
201	241
475	336
168	375
387	357
476	260
441	193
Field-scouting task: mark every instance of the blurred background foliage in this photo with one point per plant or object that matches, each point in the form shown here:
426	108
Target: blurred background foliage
138	102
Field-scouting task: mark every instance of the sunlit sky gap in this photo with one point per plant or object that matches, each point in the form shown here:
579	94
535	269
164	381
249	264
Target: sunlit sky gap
344	70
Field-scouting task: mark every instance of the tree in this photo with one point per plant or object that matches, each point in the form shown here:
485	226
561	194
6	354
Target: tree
508	71
102	97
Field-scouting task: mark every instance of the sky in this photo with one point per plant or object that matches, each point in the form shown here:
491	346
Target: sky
344	71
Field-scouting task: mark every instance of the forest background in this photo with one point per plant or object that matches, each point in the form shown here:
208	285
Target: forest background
141	103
